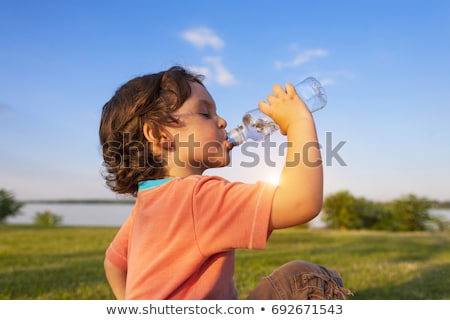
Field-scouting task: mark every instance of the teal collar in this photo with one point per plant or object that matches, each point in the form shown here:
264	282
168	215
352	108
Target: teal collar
148	184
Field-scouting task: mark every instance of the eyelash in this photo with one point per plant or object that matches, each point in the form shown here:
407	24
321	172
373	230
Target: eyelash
206	115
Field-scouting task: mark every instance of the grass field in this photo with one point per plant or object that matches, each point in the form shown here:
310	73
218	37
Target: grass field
67	262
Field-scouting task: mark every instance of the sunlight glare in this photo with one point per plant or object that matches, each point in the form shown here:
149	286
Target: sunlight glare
273	178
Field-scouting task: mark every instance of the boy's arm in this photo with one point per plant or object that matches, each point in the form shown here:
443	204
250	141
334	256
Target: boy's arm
298	198
116	278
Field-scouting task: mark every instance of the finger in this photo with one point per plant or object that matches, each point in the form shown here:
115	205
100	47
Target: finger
278	90
290	89
265	108
271	99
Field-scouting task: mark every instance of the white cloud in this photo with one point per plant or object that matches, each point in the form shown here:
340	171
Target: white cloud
205	71
221	75
301	58
203	37
215	71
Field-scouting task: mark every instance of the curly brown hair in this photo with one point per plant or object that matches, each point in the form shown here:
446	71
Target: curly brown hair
151	99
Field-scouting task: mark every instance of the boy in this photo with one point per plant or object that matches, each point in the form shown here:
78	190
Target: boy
159	133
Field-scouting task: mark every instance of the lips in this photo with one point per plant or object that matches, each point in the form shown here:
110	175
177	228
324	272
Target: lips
229	145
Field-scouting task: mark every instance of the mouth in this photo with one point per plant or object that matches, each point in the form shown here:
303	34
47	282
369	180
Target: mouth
229	145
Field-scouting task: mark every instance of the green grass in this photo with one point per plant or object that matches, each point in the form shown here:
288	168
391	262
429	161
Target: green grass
67	262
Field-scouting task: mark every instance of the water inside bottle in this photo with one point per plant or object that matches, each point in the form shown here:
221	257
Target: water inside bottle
260	127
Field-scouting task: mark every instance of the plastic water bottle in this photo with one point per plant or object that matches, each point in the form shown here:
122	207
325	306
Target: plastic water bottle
256	125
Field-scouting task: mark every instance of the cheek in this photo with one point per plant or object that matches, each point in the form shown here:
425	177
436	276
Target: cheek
215	154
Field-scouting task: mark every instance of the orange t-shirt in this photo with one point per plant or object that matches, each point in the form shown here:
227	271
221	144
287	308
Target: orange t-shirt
179	240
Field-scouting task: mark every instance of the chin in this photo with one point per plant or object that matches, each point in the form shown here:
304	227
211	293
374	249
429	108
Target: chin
227	161
219	162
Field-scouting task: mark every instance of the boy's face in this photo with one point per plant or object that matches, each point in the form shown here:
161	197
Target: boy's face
200	139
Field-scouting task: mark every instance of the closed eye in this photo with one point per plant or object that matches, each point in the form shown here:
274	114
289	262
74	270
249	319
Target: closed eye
206	115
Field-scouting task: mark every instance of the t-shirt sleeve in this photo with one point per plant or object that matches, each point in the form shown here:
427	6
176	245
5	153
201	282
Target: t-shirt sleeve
117	251
230	215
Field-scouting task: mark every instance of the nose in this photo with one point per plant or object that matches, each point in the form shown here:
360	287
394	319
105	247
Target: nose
222	123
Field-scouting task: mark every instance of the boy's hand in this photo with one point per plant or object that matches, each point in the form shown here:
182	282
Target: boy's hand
299	195
285	107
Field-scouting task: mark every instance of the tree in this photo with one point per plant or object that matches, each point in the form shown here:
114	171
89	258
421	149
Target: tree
410	213
8	205
341	210
344	211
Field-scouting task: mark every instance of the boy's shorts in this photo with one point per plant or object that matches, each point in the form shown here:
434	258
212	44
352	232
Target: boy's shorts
300	280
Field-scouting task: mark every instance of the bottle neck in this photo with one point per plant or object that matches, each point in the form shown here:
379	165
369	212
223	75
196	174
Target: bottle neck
237	136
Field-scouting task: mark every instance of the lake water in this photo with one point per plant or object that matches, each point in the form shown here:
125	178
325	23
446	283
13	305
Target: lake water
112	214
77	214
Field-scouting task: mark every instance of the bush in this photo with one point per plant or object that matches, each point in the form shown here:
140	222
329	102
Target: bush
47	219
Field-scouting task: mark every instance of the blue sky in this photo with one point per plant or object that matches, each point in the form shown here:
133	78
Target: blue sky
384	64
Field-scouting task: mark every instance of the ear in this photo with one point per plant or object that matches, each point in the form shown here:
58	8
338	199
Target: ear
162	139
149	134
